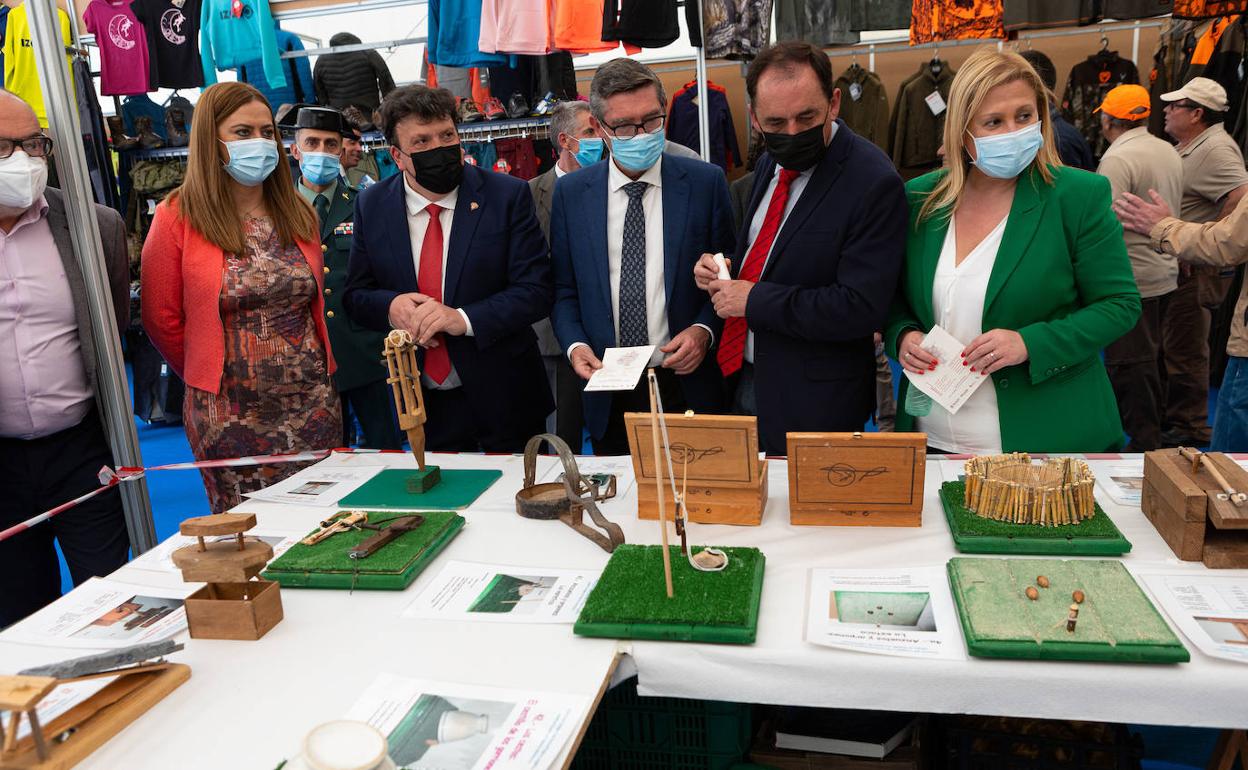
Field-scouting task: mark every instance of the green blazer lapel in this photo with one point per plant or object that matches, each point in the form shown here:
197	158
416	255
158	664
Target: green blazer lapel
1029	197
934	232
341	208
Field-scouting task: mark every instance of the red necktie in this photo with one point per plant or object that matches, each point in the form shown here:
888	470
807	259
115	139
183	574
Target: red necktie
732	346
429	279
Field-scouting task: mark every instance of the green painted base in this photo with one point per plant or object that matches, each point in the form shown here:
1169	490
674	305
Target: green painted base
420	482
974	534
1116	623
388	490
392	568
630	600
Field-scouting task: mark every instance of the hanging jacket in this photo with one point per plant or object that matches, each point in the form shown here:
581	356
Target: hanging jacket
821	22
453	34
644	23
226	40
1046	14
735	29
936	20
4	21
916	132
1158	84
298	88
1227	67
1132	9
864	105
682	124
359	78
1206	9
1086	87
516	26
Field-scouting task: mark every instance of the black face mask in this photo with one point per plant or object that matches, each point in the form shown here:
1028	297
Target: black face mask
799	151
439	170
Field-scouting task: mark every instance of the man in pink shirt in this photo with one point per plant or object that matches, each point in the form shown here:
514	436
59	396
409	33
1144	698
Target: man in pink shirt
52	441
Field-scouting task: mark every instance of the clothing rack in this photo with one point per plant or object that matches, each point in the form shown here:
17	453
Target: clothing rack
353	47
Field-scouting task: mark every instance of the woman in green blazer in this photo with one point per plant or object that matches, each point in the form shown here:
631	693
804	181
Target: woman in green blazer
1023	262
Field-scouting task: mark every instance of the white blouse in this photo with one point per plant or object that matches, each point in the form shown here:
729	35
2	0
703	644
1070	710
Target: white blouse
958	304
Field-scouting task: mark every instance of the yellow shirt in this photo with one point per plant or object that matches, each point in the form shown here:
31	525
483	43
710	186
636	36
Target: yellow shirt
21	73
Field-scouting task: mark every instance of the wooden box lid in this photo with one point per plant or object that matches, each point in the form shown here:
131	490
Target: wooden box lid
721	450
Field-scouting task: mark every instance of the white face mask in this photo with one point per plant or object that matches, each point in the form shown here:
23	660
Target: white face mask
22	180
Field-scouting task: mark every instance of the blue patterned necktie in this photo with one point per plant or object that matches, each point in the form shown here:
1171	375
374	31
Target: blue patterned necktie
634	330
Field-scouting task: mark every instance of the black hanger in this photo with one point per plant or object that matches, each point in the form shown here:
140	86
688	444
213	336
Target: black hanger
936	65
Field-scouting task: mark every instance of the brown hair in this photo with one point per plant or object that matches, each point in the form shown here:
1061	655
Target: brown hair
204	199
422	102
787	56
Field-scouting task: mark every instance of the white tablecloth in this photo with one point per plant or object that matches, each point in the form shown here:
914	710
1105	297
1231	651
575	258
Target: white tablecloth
248	704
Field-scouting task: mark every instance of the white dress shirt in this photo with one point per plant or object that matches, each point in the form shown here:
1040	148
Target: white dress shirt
795	191
417	224
958	303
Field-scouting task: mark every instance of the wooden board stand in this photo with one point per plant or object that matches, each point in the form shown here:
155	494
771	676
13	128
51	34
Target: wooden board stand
727	482
1187	508
96	720
857	479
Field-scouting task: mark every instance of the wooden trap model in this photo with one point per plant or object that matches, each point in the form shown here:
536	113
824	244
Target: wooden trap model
1198	503
73	730
409	404
234	603
857	479
1011	488
718	454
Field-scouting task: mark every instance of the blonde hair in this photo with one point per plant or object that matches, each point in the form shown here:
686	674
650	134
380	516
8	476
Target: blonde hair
204	199
983	71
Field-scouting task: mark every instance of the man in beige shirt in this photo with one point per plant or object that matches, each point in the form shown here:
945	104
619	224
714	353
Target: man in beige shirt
1220	243
1136	162
1214	179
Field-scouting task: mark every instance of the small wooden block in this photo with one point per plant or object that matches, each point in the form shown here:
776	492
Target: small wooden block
223	562
720	450
217	524
243	610
1223	513
22	693
857	479
423	481
709	504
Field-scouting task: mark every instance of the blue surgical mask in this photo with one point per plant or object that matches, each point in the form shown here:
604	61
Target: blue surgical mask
588	151
1004	156
319	167
251	160
639	152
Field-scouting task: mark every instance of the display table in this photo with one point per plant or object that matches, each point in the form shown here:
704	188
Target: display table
332	644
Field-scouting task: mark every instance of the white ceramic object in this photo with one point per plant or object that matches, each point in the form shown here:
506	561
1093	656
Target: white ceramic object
343	745
458	725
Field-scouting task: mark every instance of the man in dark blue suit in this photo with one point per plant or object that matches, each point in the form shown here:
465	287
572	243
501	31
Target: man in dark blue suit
625	234
820	253
455	256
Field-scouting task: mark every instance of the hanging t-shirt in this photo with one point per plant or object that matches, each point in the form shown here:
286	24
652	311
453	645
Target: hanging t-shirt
936	20
123	47
454	34
21	73
298	88
232	31
578	27
172	28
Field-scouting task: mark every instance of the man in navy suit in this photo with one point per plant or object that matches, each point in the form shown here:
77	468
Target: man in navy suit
820	252
455	256
625	234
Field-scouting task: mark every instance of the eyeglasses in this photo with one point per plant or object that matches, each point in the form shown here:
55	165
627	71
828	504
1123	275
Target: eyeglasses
1184	106
34	146
629	130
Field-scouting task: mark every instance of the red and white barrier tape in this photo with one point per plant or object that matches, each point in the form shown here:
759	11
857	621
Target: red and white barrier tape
110	478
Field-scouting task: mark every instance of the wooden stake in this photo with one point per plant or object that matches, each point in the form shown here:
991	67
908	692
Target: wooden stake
658	477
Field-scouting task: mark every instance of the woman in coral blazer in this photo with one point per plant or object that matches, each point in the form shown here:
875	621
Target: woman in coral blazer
1022	261
232	297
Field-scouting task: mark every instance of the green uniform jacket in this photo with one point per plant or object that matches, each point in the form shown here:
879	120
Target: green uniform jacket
1063	281
357	350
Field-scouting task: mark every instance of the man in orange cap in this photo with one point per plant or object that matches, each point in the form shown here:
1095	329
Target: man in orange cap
1135	162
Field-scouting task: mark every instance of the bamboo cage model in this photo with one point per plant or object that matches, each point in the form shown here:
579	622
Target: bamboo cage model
1013	489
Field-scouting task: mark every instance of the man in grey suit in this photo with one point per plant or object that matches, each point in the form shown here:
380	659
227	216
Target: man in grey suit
578	143
52	441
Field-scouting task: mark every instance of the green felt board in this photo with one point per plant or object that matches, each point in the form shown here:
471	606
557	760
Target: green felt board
388	491
1096	536
392	568
895	608
1117	622
630	600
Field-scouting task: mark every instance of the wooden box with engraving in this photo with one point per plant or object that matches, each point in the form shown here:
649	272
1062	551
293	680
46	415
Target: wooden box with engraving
857	479
727	482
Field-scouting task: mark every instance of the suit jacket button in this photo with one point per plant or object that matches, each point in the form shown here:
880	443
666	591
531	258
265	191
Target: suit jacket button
326	269
324	248
1005	383
329	314
328	292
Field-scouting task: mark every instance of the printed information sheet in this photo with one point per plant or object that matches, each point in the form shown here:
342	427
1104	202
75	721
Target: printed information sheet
1210	610
498	594
444	726
104	614
903	612
322	486
951	383
621	368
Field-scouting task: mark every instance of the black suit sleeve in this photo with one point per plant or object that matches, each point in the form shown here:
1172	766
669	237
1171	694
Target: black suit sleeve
117	262
856	304
529	293
723	240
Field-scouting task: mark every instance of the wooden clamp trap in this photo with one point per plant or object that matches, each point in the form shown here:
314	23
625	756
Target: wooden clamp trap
1199	504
